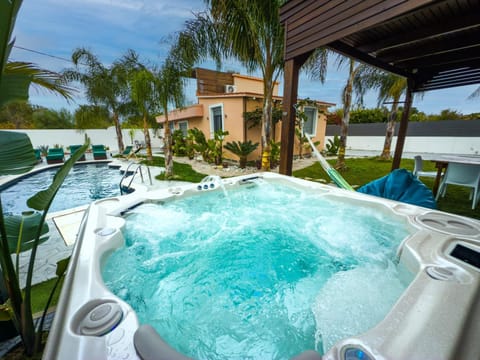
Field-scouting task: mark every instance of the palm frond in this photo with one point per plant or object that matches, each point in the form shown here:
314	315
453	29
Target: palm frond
44	79
475	94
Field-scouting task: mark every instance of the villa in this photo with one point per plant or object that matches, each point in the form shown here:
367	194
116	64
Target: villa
223	98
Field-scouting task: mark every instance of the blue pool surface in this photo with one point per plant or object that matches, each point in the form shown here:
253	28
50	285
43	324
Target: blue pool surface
263	272
85	183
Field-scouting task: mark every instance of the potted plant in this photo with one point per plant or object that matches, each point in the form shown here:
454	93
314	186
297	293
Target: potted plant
242	150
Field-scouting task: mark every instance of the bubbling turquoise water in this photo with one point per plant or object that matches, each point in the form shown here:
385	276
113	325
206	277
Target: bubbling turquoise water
266	273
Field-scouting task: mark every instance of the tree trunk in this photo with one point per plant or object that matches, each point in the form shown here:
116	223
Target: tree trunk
148	142
168	149
347	102
242	162
118	130
267	127
386	155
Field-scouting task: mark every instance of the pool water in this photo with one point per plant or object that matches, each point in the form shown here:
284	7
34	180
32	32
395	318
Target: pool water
263	272
85	183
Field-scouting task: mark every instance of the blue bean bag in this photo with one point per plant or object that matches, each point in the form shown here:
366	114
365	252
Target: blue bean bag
401	185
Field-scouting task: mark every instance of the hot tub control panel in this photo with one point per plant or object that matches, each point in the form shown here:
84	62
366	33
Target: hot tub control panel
466	255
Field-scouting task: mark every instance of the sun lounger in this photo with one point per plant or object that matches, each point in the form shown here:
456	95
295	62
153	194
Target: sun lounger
55	156
38	155
74	148
99	152
127	151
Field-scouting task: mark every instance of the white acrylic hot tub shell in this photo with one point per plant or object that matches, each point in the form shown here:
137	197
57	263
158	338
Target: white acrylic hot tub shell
433	319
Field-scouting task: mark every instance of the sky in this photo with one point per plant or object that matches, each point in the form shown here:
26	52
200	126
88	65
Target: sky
108	28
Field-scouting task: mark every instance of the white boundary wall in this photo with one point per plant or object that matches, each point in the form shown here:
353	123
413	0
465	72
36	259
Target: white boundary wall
417	144
67	137
108	137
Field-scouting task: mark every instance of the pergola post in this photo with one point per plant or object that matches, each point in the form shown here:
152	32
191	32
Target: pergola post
402	131
290	91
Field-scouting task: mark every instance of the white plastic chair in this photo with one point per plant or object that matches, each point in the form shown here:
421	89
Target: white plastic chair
463	175
418	169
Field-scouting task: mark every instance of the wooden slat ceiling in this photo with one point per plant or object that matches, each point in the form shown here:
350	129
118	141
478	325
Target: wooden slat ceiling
434	43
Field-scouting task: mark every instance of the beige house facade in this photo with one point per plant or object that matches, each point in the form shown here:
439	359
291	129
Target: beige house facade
223	98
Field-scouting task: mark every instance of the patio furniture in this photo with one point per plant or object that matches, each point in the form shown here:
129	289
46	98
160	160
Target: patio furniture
442	161
467	175
73	149
418	169
38	155
55	156
99	152
127	151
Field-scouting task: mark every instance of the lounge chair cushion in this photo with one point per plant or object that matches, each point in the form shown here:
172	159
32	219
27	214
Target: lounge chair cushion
55	155
74	148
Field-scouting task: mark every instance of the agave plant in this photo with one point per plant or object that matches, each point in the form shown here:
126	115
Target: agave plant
242	150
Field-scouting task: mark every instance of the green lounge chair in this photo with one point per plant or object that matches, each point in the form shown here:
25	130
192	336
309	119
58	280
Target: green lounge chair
55	156
74	148
127	151
99	152
38	155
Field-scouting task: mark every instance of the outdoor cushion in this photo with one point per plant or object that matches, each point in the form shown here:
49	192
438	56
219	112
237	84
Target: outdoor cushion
74	148
55	155
401	185
99	152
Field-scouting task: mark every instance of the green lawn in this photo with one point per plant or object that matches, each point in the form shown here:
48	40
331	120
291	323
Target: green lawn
41	292
181	172
363	170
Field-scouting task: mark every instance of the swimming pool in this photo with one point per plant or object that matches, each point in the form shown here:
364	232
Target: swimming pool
85	183
415	276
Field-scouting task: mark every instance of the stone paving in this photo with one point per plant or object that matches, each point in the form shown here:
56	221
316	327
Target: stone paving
48	253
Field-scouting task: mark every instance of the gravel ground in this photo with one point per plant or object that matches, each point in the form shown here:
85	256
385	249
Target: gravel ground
233	170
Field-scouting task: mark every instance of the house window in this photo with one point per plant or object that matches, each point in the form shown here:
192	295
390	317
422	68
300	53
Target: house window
171	125
310	125
216	118
183	126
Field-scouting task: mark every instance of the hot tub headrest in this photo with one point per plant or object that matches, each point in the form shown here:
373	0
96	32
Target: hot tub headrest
150	346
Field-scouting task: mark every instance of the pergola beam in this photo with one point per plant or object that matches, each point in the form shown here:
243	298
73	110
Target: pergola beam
290	91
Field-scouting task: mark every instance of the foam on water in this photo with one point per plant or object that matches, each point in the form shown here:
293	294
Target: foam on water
354	301
258	276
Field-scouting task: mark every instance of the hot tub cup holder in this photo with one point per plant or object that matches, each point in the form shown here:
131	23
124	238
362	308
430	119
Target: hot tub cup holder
448	273
104	231
440	273
97	318
449	224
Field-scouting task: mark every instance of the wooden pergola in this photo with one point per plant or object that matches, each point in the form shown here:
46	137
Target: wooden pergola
434	44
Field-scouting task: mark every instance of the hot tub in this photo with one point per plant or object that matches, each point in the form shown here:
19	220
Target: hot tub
432	300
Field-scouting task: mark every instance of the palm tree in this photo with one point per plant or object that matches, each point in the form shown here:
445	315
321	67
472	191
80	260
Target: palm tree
242	150
347	92
475	94
104	86
169	88
40	78
390	86
248	31
142	83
